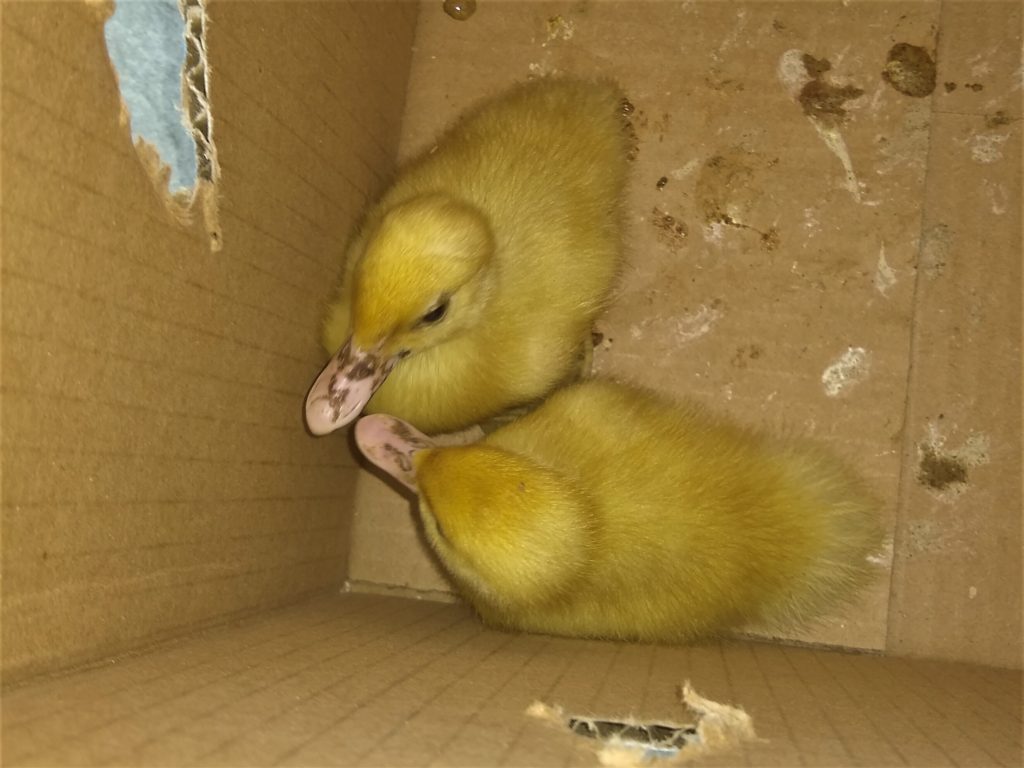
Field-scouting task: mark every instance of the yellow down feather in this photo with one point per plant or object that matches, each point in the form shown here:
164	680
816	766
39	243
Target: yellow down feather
513	219
613	512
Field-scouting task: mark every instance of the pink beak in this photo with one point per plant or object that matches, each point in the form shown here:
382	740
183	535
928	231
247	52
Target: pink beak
391	443
344	387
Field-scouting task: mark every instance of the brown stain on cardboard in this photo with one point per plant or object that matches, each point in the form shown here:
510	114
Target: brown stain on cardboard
627	111
729	188
806	80
716	81
560	28
821	99
723	176
600	341
671	231
939	472
746	354
910	69
997	119
943	469
637	121
661	125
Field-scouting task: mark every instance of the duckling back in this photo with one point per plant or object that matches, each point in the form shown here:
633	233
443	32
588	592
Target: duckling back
543	169
704	525
685	525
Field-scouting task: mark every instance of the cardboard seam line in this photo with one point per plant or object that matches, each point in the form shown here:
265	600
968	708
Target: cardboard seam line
626	742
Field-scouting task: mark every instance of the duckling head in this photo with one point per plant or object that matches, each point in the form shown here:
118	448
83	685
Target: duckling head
509	530
423	278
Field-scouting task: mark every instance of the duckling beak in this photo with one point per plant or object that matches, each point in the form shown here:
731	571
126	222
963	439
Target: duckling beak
344	386
390	444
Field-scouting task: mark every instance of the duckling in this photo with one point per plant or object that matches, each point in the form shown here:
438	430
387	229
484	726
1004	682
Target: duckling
613	512
472	285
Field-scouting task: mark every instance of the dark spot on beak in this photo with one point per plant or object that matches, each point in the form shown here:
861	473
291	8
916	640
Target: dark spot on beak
400	458
364	369
402	431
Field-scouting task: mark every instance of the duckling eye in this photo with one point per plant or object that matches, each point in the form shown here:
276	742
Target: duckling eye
435	314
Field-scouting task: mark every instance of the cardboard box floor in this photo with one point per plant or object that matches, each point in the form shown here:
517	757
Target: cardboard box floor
849	268
372	680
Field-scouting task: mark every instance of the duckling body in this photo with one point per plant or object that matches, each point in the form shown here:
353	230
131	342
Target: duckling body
613	512
474	281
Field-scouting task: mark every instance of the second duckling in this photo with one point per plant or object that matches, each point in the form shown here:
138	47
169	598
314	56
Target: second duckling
614	512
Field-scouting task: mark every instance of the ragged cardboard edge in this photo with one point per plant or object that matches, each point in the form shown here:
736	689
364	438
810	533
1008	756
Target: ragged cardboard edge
390	590
719	728
199	115
198	120
181	205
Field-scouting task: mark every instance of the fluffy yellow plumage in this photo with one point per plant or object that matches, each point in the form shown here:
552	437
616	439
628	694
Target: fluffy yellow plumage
473	283
613	512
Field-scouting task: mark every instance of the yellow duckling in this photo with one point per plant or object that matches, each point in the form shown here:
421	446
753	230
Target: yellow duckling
613	512
473	283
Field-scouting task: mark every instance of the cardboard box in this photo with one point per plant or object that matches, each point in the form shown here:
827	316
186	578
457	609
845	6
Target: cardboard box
191	579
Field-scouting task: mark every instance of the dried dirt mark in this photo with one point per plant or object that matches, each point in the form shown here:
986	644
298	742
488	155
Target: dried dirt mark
997	119
730	186
846	371
910	69
806	80
671	231
943	470
821	99
938	471
745	354
627	112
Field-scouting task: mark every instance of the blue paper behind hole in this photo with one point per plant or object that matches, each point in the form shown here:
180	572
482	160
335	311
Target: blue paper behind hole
146	42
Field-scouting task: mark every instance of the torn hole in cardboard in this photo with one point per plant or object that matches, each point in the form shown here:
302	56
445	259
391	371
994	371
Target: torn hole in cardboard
157	49
624	742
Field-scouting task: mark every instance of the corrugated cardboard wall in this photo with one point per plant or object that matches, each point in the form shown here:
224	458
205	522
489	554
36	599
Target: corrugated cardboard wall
156	472
957	579
758	317
156	475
